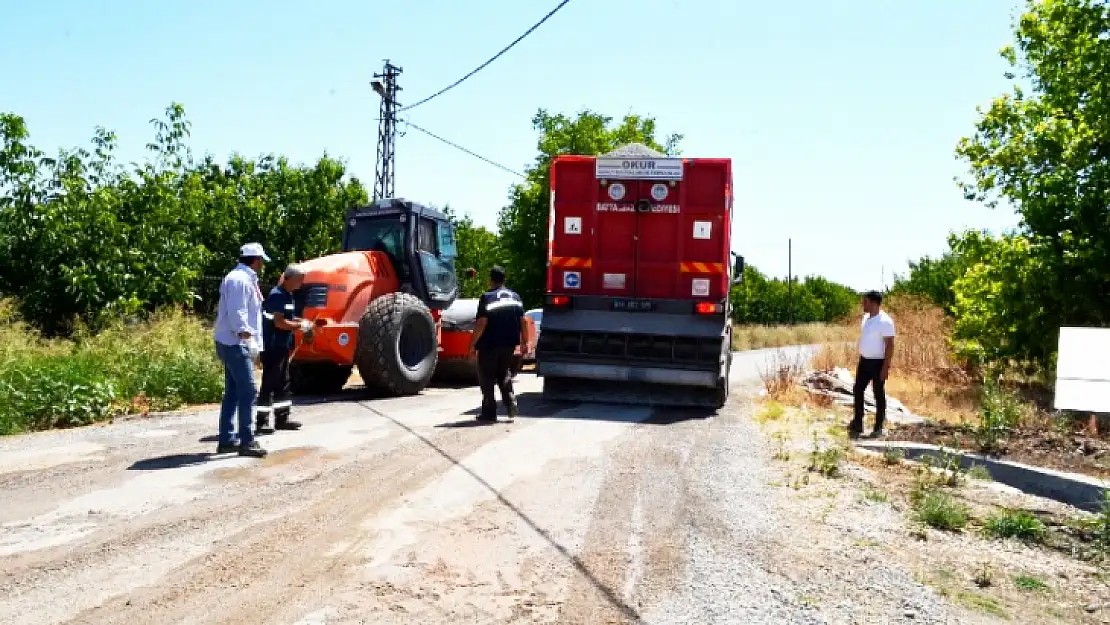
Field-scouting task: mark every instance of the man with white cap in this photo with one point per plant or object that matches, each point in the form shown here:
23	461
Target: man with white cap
238	335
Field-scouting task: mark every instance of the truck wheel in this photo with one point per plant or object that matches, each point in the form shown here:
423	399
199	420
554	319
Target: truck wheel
397	351
317	378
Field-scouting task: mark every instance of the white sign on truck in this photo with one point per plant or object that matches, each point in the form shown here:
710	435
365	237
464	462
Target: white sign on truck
1083	370
638	168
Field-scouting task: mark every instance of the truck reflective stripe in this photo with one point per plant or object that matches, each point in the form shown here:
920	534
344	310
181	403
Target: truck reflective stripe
692	267
571	261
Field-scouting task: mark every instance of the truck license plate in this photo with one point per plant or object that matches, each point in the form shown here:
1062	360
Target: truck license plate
633	305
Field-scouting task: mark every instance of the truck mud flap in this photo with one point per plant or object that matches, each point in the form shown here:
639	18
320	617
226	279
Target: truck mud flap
633	393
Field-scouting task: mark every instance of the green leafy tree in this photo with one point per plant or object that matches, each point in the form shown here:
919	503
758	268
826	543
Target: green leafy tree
1046	153
769	301
479	249
523	223
83	239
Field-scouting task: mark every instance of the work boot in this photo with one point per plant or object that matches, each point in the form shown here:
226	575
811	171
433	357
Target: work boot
285	423
262	426
227	448
254	450
877	433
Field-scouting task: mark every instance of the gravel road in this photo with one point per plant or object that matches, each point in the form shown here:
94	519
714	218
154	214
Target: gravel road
403	511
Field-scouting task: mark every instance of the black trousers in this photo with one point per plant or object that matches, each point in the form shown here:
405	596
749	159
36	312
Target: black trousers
869	371
273	395
495	369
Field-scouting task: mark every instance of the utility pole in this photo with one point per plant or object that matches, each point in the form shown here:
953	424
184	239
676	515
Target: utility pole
790	275
385	85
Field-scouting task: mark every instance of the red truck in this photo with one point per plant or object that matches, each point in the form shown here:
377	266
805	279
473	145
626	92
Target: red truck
638	275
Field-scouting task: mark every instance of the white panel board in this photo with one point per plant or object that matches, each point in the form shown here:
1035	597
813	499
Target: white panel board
1083	370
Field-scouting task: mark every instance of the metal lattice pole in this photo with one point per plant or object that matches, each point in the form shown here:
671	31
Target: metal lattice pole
385	85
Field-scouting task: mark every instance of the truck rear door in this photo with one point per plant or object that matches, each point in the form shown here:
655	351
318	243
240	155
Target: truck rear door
640	228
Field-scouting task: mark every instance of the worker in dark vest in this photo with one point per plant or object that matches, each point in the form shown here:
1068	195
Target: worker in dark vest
279	319
499	330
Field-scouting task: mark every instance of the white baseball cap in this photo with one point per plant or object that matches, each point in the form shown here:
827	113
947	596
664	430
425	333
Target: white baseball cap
254	249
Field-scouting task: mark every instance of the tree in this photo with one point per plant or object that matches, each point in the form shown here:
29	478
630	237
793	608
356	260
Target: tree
1047	154
479	249
83	238
768	301
935	278
523	223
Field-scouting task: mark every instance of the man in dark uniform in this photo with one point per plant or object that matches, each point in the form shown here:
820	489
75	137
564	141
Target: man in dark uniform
279	319
499	329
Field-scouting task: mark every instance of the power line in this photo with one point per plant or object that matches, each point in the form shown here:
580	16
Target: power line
461	148
491	60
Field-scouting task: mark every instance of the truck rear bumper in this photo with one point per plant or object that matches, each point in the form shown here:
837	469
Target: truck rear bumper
627	373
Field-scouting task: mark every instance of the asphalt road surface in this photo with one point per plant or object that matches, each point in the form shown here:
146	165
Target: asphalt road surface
399	511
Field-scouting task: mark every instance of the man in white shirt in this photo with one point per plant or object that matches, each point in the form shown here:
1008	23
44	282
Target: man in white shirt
876	350
238	335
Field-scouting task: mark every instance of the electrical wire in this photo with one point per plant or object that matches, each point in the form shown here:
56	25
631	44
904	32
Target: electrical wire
491	60
461	148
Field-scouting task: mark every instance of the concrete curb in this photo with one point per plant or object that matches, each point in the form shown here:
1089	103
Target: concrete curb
1083	492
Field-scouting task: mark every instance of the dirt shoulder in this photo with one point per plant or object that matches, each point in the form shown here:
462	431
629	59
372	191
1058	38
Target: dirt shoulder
932	525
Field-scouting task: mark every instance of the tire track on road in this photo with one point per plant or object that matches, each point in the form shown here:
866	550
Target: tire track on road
634	546
272	571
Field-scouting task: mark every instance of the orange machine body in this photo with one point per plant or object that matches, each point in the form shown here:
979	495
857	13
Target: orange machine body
457	329
338	288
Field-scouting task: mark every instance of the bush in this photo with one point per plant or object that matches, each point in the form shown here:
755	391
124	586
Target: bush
941	511
161	364
1015	524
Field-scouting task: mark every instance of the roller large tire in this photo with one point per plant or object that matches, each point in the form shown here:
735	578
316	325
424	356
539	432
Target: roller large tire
317	378
397	351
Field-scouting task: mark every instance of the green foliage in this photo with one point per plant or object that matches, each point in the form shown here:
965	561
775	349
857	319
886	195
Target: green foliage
1000	413
160	364
1029	583
479	249
825	461
934	279
762	300
85	239
1045	153
940	510
523	223
1015	524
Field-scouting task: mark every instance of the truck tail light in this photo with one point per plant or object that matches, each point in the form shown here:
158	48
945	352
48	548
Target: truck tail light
707	308
559	300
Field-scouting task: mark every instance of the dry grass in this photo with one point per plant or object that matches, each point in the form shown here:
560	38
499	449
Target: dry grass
924	376
762	337
782	375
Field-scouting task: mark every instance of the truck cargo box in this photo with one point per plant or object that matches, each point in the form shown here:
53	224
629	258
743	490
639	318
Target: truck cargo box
638	278
621	233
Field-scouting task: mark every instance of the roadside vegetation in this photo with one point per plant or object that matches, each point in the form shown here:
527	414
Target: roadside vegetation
159	364
987	550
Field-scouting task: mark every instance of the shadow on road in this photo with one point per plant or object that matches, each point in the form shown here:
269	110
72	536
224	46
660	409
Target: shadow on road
531	405
610	595
469	423
173	461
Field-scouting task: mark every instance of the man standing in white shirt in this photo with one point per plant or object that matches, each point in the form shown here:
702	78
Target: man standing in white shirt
876	350
238	335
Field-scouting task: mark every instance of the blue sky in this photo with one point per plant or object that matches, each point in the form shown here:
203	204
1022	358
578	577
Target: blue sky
841	118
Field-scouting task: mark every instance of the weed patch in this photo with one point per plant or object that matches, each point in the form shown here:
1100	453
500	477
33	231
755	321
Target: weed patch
1029	583
825	461
1015	524
941	511
157	365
